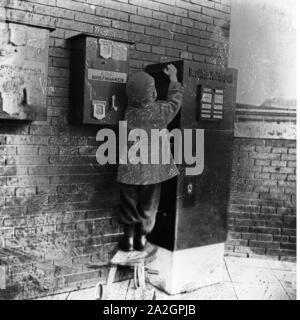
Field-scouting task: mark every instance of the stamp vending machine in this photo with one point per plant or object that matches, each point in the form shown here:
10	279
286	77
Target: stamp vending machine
191	226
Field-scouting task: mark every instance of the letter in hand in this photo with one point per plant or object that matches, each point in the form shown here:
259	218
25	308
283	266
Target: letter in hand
171	71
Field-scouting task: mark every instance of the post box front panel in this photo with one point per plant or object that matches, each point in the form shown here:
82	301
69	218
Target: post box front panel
105	79
202	200
193	209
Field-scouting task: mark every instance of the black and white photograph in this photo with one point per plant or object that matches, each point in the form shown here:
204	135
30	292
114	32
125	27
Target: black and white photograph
148	152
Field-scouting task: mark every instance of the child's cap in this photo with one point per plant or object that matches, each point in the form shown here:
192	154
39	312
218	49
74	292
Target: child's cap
140	88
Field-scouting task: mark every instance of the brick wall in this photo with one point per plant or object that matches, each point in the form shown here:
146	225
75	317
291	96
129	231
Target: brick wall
58	222
262	212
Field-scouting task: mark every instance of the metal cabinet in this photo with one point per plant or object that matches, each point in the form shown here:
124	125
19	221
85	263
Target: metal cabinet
193	208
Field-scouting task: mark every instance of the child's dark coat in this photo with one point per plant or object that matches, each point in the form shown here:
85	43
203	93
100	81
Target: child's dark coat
156	115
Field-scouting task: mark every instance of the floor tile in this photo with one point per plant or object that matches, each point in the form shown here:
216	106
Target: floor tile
86	294
223	291
117	290
246	262
268	291
251	275
61	296
288	278
282	265
244	279
292	293
288	282
226	277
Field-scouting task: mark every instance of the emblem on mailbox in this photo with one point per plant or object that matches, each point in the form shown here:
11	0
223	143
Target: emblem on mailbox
105	48
99	109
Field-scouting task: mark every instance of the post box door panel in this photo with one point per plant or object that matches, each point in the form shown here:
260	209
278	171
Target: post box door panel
204	221
105	80
99	71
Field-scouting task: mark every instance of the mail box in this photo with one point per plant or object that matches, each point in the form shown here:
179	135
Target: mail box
99	72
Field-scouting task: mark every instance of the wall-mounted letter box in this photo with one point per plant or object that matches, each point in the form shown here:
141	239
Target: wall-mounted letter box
23	71
99	71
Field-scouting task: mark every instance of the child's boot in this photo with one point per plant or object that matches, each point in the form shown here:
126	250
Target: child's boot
140	240
127	242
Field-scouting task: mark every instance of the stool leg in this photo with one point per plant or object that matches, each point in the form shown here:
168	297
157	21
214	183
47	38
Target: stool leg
110	279
142	277
99	291
139	276
136	277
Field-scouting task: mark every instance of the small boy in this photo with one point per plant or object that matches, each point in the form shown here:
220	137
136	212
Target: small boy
140	183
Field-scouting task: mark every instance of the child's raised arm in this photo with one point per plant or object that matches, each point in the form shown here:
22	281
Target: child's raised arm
172	105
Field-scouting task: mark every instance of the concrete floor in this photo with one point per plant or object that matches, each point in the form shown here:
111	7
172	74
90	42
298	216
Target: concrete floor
244	279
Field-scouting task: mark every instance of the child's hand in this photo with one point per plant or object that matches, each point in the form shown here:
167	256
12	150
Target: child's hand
171	71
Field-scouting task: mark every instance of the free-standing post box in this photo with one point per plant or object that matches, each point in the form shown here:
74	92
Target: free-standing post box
99	71
191	226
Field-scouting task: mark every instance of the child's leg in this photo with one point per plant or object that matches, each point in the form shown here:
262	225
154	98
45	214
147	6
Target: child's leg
129	198
138	208
129	214
148	205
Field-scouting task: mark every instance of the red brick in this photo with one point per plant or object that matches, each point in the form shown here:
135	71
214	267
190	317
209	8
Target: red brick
27	17
249	250
112	14
292	164
265	156
291	239
258	175
277	163
280	150
249	236
55	12
237	242
274	231
290	144
289	232
158	50
145	4
25	191
265	237
290	157
291	177
200	17
288	170
263	149
160	16
292	151
265	244
77	6
278	176
46	2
